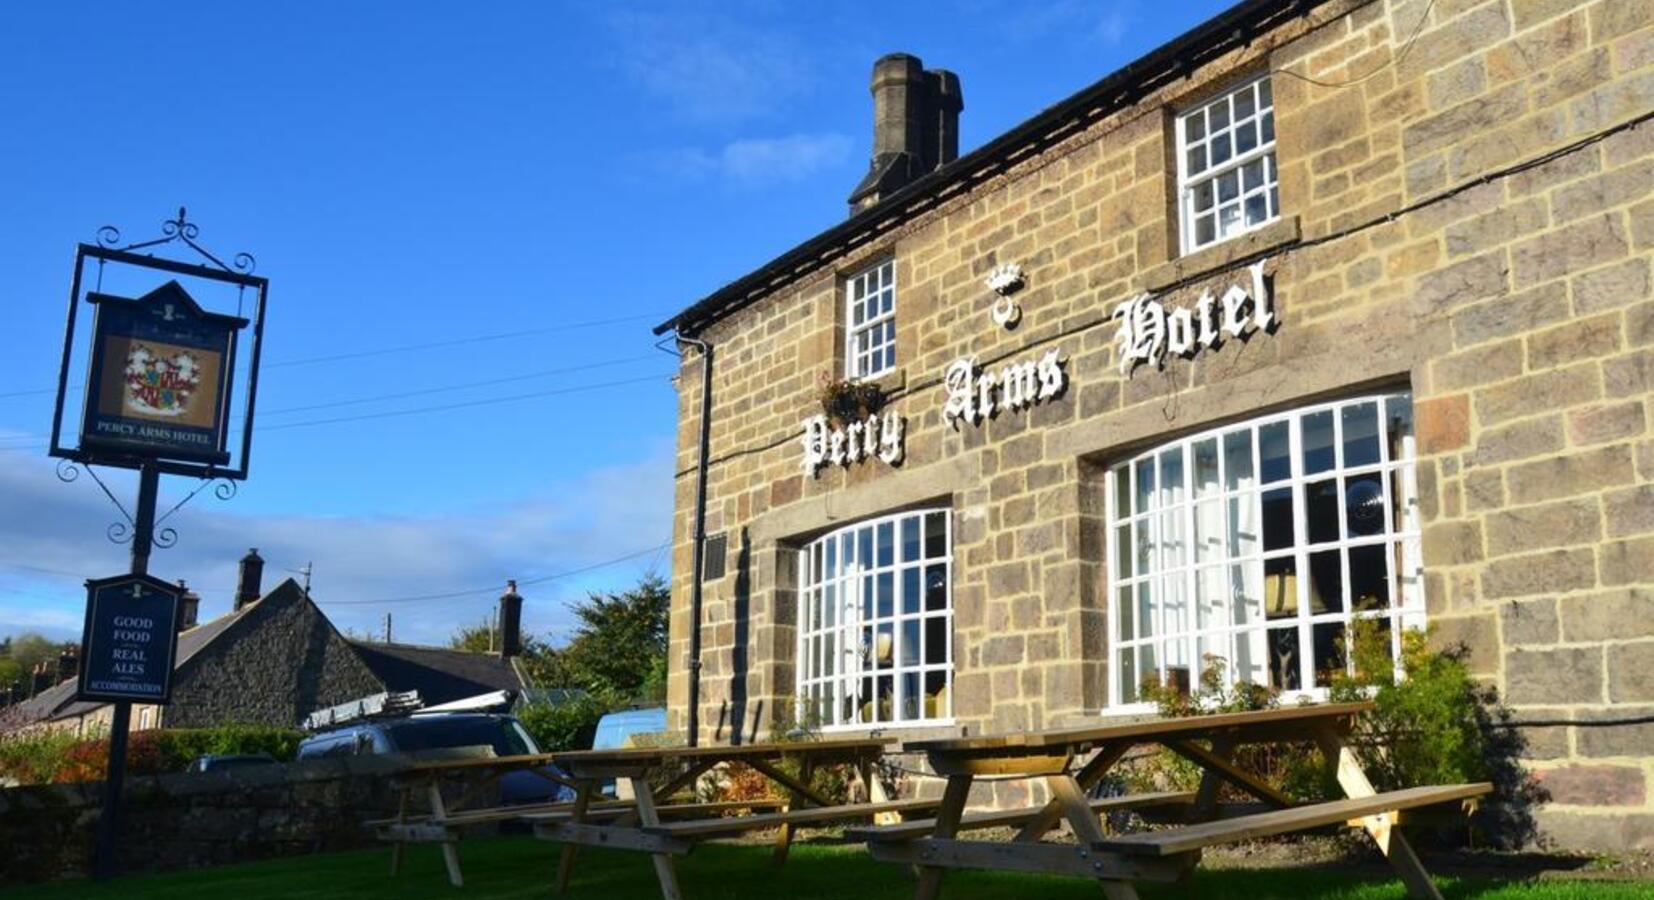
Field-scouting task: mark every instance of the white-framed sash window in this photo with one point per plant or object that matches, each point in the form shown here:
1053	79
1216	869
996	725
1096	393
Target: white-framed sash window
1258	543
870	321
875	624
1227	183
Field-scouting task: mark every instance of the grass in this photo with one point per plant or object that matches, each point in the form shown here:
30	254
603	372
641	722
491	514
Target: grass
520	867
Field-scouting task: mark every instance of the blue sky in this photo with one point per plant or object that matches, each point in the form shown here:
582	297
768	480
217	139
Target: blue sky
410	174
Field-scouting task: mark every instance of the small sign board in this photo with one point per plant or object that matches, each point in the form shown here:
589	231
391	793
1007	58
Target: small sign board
159	380
130	639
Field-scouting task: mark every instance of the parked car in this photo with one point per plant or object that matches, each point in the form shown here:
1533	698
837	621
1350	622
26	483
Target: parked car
221	761
616	728
419	733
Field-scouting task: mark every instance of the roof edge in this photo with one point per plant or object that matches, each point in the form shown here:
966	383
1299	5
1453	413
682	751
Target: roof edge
1113	92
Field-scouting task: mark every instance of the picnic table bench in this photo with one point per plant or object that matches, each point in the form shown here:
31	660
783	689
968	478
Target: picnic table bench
444	819
1117	862
643	828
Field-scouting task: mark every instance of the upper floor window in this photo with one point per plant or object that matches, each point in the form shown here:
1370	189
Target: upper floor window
1256	547
875	623
870	320
1226	178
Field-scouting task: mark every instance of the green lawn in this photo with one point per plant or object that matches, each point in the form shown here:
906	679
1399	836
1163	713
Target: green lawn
519	867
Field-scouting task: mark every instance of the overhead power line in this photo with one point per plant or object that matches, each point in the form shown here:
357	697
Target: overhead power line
521	582
408	348
489	401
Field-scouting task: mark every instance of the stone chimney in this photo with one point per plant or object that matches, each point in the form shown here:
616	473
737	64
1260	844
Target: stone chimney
41	679
189	608
915	126
247	589
66	665
511	621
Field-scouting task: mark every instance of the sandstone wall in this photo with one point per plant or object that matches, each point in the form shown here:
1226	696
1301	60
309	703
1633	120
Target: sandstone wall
1471	219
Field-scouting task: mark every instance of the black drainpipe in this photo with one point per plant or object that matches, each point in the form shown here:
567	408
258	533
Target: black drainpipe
700	537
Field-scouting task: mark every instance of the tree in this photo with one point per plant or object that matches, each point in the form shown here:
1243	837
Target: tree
474	638
618	652
22	653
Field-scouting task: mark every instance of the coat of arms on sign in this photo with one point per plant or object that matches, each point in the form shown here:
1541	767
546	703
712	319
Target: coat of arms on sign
158	385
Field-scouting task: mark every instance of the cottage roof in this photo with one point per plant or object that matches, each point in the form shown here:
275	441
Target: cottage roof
1173	60
439	674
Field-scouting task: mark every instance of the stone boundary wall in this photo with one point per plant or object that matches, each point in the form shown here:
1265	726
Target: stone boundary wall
179	821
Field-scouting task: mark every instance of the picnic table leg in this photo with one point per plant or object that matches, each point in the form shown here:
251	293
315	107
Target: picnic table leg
401	818
1397	851
1206	796
1068	794
1089	774
647	816
948	814
450	854
565	863
784	836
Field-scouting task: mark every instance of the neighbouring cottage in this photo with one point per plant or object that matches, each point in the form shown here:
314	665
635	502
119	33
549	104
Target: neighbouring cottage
275	658
1325	311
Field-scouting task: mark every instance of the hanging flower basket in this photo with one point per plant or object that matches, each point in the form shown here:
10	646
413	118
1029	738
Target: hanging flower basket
846	401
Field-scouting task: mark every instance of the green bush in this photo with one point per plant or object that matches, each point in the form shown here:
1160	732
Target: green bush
1434	725
569	725
42	757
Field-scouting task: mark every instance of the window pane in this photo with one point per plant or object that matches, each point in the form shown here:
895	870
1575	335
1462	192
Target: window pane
887	543
1277	519
912	708
1205	230
1317	441
1360	424
1202	194
1329	652
1246	138
1364	504
1326	582
1123	609
1229	219
1145	546
1274	448
1145	485
1245	602
1322	509
936	587
936	695
1171	477
1280	587
1243	526
1257	210
1145	610
1195	125
1264	98
910	642
1399	410
1237	459
1266	127
1197	159
1209	530
1221	150
1122	552
1284	661
1206	467
1126	668
1212	600
1369	585
936	535
1244	103
1121	476
1218	114
936	640
912	594
1228	186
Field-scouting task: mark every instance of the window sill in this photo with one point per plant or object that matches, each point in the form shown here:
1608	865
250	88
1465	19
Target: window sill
891	382
1279	233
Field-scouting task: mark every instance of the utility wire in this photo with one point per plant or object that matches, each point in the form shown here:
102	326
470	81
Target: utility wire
541	579
407	348
464	405
1394	60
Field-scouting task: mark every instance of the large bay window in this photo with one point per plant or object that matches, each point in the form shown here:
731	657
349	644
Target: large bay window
1255	547
875	623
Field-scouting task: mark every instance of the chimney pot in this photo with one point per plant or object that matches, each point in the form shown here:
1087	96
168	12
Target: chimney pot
511	621
189	607
247	588
66	665
41	679
915	126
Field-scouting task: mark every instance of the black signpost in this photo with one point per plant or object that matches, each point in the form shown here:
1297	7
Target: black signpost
159	393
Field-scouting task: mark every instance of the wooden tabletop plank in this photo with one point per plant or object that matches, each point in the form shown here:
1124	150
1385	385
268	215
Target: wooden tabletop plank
633	755
1263	724
480	764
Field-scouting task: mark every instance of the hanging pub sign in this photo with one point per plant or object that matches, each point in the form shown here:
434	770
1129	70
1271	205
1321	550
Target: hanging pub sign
130	639
165	372
160	376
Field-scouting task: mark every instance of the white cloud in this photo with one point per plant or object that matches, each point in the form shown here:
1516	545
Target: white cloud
756	162
599	515
706	67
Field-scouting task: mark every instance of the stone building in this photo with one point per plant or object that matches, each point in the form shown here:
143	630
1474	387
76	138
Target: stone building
1326	311
271	660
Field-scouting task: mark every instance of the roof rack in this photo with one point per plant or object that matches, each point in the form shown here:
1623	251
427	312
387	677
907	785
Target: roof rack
370	707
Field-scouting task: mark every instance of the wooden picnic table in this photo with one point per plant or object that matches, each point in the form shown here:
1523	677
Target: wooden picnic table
469	781
642	828
1168	855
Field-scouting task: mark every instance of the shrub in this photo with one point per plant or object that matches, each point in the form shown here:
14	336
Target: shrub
42	757
569	725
